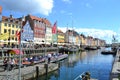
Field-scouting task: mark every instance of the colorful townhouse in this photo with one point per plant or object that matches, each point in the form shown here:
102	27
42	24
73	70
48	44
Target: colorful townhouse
38	26
83	40
8	27
61	37
48	31
27	34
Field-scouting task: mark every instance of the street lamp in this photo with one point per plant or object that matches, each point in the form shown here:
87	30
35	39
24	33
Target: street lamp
9	37
19	76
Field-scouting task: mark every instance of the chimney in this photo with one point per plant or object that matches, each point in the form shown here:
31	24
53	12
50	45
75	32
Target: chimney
11	16
0	9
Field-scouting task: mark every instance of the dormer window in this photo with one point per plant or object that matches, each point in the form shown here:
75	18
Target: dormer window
8	20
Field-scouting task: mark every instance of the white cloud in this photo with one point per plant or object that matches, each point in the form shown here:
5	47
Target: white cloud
67	1
28	6
96	33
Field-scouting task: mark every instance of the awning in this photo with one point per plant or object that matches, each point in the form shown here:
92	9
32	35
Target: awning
15	51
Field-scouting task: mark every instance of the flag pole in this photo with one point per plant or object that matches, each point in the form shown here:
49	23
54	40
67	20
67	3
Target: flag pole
57	36
19	76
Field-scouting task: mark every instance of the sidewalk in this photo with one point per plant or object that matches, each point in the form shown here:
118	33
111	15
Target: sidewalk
116	68
27	72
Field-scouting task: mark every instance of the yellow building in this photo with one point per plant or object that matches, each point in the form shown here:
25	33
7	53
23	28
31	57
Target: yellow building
61	37
83	40
8	28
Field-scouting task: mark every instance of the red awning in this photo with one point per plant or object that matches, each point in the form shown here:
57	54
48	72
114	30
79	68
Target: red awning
15	51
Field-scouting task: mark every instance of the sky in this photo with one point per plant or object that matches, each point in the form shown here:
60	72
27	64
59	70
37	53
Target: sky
97	18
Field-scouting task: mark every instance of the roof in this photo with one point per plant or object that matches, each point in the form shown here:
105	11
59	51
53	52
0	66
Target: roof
40	19
46	21
35	18
59	31
5	18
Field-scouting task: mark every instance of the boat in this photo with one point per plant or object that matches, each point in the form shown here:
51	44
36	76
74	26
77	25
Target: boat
90	48
58	58
108	52
73	49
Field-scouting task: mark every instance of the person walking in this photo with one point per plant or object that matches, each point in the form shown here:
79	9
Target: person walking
5	63
49	57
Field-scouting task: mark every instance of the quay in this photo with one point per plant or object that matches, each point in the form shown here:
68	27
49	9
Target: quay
115	73
29	71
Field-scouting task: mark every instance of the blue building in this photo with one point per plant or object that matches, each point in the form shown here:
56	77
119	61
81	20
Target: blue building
27	34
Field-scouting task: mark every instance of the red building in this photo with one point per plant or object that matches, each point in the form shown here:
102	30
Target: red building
39	27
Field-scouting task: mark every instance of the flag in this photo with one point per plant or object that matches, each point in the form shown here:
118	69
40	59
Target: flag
54	28
18	35
0	9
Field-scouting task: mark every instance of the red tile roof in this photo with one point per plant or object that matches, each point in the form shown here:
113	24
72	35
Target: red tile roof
59	31
5	18
40	19
46	21
35	18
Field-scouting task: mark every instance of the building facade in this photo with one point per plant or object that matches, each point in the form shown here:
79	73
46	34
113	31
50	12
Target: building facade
48	32
38	26
27	33
8	28
61	37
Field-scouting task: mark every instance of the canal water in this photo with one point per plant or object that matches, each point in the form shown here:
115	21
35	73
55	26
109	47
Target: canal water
97	64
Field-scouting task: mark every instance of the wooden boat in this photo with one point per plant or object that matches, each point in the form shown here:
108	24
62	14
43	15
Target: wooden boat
59	57
73	49
90	48
108	52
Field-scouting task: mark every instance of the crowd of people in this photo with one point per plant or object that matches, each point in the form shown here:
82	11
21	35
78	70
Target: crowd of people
10	63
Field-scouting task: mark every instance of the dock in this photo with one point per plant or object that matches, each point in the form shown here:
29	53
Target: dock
115	73
28	72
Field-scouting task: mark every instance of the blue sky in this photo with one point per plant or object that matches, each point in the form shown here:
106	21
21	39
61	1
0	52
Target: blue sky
97	18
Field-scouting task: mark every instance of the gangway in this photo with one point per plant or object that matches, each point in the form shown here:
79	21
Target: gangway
83	76
79	77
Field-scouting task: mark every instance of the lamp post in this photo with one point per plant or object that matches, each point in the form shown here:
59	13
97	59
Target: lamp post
19	76
9	37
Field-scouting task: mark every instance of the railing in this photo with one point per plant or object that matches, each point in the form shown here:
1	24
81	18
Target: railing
83	76
79	77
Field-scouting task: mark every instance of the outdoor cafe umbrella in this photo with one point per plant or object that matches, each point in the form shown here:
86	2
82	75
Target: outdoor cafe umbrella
15	51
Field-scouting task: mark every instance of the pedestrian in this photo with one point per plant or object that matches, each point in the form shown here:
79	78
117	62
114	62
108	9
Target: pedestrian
49	57
12	63
5	63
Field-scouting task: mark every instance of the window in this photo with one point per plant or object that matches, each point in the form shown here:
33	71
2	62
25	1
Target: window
12	31
9	25
13	25
16	26
12	38
15	39
5	31
5	24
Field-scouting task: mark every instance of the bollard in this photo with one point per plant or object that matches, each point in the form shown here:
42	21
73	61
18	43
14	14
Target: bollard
68	52
46	69
37	72
59	64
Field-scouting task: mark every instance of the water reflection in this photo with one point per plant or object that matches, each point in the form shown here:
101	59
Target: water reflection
93	61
